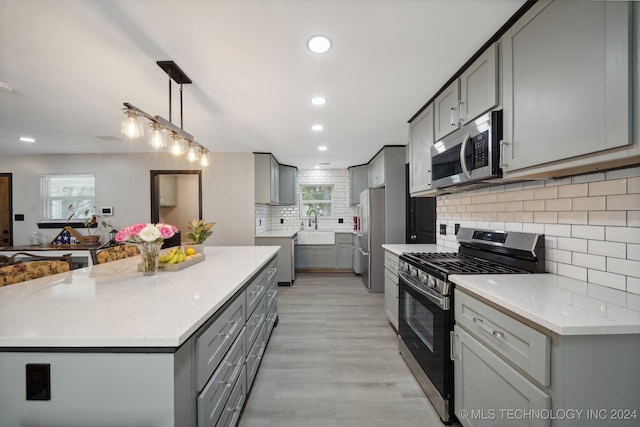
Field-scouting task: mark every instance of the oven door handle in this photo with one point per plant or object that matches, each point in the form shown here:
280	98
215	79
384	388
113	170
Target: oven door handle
441	301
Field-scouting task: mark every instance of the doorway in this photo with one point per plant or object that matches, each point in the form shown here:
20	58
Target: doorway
6	210
421	217
176	198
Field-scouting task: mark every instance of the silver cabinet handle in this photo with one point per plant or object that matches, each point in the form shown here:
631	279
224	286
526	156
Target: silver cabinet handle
452	119
452	337
480	322
460	104
502	144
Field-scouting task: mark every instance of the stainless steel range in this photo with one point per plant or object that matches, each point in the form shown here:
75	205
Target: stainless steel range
426	300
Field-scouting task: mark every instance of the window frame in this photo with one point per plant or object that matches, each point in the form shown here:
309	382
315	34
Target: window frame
46	198
316	201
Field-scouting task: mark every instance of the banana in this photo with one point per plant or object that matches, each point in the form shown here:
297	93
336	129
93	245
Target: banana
174	258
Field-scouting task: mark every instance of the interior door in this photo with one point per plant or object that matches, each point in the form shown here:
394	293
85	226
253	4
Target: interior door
6	209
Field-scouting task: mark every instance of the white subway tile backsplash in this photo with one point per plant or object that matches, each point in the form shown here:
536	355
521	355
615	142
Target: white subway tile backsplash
611	249
624	266
591	222
605	188
595	262
610	280
574	245
587	232
623	234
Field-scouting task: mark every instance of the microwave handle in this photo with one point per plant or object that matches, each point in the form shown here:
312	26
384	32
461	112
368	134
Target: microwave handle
463	163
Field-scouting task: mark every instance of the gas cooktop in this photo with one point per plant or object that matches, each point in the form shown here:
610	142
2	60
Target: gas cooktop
456	263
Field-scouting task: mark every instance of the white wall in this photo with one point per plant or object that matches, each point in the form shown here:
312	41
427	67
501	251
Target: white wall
123	181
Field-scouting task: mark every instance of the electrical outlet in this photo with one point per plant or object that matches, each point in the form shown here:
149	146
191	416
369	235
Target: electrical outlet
443	229
456	227
340	220
260	221
281	220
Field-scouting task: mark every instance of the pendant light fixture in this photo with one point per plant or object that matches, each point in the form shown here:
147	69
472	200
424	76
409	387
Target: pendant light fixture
133	127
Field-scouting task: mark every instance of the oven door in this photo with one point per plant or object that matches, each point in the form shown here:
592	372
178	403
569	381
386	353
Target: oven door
424	323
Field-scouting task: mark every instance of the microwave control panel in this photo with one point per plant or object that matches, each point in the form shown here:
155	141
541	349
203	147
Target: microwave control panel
480	144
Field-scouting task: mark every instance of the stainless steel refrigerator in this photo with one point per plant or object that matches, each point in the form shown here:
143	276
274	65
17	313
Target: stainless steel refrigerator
373	236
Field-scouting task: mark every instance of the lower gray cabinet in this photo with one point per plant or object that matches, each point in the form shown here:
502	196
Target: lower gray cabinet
233	409
255	355
309	257
214	397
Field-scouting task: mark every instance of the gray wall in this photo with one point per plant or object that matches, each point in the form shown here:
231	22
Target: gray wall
122	181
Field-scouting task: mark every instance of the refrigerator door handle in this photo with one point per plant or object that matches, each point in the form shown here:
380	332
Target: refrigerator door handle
363	252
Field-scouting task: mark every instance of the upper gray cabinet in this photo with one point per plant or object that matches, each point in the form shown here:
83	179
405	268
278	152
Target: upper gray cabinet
267	179
567	89
420	142
446	110
375	170
472	94
287	195
479	86
357	183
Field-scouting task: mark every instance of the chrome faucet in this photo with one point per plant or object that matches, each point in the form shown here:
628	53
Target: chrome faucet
315	221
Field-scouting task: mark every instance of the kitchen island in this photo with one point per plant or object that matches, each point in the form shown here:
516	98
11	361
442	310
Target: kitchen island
107	346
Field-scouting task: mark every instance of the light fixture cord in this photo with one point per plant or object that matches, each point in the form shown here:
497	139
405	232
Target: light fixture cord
181	106
169	96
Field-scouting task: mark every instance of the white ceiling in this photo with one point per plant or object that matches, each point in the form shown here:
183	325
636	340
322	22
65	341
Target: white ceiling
72	63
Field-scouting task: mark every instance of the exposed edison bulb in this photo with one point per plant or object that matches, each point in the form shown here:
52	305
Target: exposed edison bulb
157	137
132	124
204	158
192	155
176	146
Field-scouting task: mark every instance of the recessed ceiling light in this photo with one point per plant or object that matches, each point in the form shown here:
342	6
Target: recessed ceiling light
322	148
318	100
6	87
316	167
27	139
317	128
319	44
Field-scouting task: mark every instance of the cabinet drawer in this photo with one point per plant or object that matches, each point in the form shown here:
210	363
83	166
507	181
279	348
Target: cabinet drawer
255	356
255	322
213	398
256	290
391	262
272	294
217	338
232	410
272	315
520	344
344	238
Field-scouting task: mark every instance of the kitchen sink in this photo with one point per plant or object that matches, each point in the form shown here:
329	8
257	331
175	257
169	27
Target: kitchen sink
316	237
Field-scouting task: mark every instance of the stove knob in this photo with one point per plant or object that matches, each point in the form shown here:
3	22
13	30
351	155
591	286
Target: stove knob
432	282
413	271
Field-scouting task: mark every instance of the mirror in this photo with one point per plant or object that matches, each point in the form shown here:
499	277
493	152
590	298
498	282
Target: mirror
176	198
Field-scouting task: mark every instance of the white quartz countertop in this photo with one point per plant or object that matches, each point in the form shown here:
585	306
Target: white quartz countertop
114	305
278	233
563	305
399	249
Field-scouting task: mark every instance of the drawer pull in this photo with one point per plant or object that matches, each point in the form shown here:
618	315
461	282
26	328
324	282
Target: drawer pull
478	321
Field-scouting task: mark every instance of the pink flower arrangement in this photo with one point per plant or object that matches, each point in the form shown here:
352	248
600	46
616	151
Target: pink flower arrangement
149	233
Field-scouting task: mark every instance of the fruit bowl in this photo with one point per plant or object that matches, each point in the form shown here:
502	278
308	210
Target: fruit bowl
170	261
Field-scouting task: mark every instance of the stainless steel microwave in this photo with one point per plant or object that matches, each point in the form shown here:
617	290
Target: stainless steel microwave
470	154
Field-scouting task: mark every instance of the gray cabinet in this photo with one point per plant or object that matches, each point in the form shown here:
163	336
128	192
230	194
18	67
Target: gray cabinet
344	251
357	262
287	179
391	296
503	364
420	143
286	263
375	171
567	91
267	179
479	86
446	110
358	182
310	257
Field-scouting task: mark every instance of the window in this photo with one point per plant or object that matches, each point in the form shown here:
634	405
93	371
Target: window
318	198
60	191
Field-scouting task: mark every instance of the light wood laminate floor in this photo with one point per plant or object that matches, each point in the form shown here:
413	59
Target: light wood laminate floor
333	361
